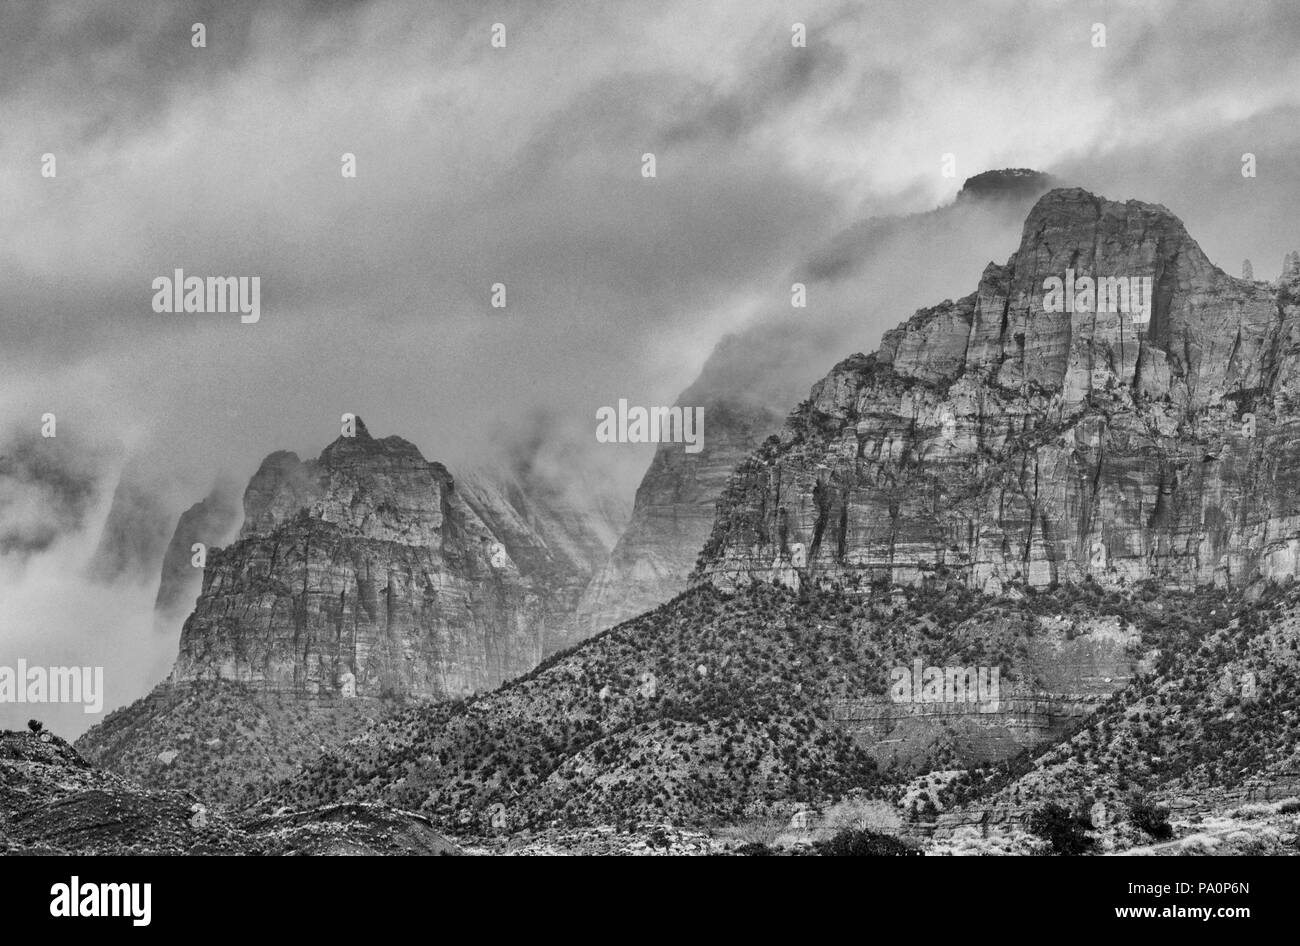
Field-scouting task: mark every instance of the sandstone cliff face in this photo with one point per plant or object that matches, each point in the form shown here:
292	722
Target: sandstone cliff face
996	440
1067	668
672	514
558	542
210	522
752	379
371	571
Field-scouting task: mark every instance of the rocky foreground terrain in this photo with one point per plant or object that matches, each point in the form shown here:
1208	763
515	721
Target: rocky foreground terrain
54	802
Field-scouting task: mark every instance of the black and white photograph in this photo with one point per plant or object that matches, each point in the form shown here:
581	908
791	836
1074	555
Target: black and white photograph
699	428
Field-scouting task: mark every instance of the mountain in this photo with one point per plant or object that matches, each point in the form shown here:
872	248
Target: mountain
371	571
997	441
561	534
673	509
222	740
694	712
1091	515
752	378
211	522
359	580
1009	184
740	708
1090	505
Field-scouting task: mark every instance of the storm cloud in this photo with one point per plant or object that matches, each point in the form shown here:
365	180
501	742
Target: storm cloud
522	166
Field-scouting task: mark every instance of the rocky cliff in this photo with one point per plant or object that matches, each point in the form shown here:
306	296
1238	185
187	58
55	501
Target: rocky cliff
673	510
371	571
559	534
752	378
997	439
357	580
1066	667
211	522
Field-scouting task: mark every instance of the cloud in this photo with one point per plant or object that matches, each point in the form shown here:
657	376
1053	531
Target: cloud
522	166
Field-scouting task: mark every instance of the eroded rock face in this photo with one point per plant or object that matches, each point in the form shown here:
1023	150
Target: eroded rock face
672	515
370	571
1068	668
998	440
556	540
752	379
210	522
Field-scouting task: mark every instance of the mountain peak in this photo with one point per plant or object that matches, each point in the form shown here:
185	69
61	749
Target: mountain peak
999	393
1073	197
362	446
1005	184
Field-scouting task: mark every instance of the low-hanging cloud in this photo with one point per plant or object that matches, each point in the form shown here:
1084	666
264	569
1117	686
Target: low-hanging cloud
521	166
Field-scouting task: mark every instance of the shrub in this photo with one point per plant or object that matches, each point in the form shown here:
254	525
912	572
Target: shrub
1149	817
859	842
1064	831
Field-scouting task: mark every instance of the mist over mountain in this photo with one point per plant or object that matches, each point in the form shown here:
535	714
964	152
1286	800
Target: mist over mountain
753	376
765	690
996	438
985	315
762	691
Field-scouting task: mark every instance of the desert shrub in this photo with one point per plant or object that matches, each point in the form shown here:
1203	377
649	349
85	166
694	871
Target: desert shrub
1149	817
859	842
1062	829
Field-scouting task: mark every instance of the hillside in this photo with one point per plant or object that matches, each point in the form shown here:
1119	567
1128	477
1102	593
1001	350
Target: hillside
53	802
1217	723
717	708
224	741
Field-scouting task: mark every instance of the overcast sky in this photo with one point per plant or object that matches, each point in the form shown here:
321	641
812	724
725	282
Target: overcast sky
522	165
